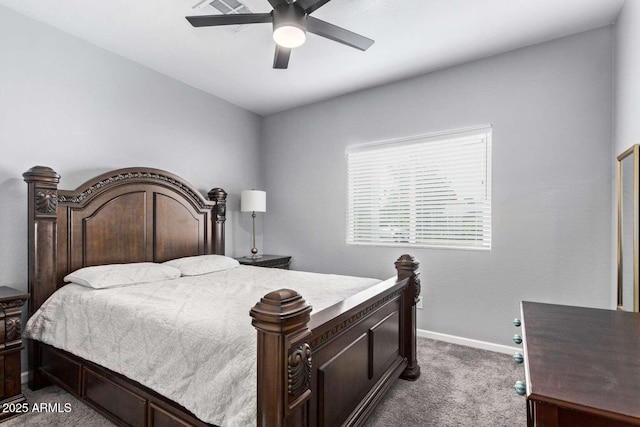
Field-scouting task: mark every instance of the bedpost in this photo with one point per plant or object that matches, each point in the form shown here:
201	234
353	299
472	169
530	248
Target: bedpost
284	359
219	196
42	206
407	267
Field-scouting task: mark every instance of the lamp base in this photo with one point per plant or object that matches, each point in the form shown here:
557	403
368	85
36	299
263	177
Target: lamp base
253	256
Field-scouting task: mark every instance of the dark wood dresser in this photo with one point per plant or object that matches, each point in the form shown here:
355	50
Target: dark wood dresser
270	261
12	401
582	366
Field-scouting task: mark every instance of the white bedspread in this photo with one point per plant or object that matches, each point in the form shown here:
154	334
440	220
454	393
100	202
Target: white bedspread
197	351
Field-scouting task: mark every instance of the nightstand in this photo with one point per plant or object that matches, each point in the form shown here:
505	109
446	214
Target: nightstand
270	261
12	401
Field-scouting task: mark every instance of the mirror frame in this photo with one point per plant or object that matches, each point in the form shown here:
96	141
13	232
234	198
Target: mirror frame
635	152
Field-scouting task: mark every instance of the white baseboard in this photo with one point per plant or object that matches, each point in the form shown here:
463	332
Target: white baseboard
483	345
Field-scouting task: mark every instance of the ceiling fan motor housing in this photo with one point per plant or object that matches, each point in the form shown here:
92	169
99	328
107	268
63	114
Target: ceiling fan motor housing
287	16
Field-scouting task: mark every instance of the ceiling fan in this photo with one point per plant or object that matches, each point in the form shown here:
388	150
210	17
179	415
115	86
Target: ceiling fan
291	21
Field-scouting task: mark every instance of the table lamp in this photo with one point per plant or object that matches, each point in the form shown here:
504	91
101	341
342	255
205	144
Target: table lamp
253	201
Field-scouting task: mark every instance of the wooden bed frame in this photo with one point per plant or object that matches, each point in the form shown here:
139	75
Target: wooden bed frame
326	369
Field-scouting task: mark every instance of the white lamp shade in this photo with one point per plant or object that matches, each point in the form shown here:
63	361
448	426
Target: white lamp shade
253	201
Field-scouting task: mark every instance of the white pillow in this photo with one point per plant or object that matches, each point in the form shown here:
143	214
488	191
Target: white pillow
202	264
112	275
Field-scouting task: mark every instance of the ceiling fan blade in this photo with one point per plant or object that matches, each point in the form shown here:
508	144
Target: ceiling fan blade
311	5
281	58
234	19
275	3
337	34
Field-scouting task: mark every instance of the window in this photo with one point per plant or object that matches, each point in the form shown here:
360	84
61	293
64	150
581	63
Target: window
430	191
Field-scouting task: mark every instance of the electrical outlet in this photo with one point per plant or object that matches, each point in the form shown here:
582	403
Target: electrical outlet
419	303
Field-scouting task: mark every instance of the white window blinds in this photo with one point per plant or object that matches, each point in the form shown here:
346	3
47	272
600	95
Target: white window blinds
432	191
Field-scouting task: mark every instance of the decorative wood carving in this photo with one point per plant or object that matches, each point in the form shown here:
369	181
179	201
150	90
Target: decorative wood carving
11	349
299	370
148	176
219	196
46	201
345	324
416	288
407	267
11	304
13	328
43	191
222	212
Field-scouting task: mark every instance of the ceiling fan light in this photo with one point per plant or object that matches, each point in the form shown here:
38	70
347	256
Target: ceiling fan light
289	25
289	36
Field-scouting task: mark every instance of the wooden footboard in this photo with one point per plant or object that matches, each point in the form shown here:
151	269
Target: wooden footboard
333	368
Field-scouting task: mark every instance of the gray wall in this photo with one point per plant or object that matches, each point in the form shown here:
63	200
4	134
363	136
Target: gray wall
81	110
627	77
551	110
627	99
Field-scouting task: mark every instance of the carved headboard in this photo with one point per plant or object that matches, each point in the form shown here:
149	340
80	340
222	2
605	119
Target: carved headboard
127	215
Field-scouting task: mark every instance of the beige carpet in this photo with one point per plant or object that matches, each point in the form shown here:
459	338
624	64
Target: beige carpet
77	415
459	386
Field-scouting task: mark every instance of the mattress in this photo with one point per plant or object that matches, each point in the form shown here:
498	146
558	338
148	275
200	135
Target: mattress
189	339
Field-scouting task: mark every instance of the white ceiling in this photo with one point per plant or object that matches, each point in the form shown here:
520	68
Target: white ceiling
411	37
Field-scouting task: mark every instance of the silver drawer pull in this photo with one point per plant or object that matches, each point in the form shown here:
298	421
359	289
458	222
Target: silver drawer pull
517	322
517	339
520	387
518	358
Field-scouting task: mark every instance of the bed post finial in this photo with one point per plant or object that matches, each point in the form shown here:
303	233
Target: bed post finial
284	358
44	183
219	196
407	267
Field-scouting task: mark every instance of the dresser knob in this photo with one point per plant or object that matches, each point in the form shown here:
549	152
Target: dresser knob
517	339
520	387
517	322
518	358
